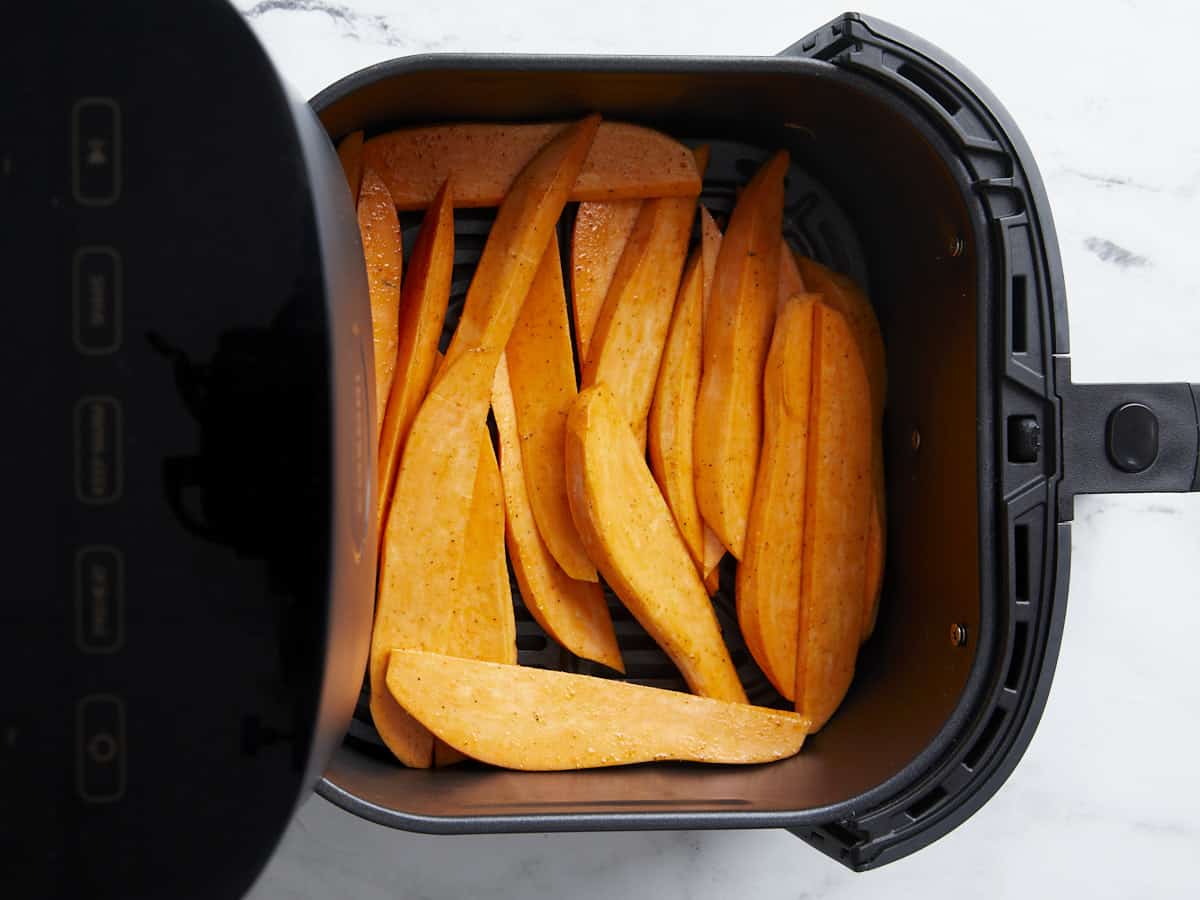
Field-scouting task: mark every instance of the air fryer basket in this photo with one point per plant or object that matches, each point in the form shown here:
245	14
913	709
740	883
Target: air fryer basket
909	176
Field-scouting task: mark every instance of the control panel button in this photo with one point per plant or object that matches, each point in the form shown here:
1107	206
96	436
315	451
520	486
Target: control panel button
99	474
96	151
100	748
97	300
99	599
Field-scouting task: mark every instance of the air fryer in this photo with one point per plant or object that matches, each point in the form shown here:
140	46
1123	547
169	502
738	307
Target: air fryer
186	376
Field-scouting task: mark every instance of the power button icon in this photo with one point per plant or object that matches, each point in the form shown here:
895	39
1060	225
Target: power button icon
100	748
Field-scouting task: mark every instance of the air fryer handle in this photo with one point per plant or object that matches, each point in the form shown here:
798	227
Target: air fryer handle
1127	438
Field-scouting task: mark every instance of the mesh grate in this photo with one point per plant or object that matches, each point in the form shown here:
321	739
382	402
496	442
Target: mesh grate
815	226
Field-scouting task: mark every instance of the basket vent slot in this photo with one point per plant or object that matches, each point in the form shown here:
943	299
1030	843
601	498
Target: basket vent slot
1020	641
926	803
980	747
1021	563
1020	316
934	89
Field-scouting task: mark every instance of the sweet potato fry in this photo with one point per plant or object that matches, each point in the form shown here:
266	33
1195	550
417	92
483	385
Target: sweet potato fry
426	525
768	577
838	507
790	281
574	613
626	162
845	296
542	720
737	332
349	153
673	415
482	625
423	305
380	232
630	334
542	373
710	247
602	229
631	536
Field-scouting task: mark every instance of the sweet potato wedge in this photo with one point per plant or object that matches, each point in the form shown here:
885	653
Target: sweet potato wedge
710	247
844	295
838	508
423	303
768	577
626	162
631	331
602	229
542	373
426	525
574	613
482	625
542	720
380	231
737	332
673	414
510	260
631	536
482	620
349	153
790	281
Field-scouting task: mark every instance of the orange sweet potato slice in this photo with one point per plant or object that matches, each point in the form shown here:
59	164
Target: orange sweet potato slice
518	237
602	229
349	153
673	415
631	536
631	331
482	623
574	613
844	295
768	577
710	247
542	372
423	305
737	333
838	507
790	281
380	231
542	720
424	540
625	162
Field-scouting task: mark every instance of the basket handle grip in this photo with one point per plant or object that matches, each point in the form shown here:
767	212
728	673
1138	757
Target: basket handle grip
1128	438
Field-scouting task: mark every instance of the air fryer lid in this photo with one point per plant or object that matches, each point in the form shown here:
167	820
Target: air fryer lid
187	412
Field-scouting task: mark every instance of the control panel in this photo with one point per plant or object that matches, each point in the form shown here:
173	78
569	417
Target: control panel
170	376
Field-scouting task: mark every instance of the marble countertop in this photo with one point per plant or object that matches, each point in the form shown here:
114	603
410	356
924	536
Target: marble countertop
1104	802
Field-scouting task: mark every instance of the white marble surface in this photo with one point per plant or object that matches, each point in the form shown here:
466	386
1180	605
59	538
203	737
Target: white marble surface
1104	803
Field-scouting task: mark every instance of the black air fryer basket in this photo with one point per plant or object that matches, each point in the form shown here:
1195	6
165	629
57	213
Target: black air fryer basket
910	176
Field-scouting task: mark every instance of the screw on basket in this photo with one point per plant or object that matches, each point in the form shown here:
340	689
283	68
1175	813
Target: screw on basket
958	634
957	246
916	439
